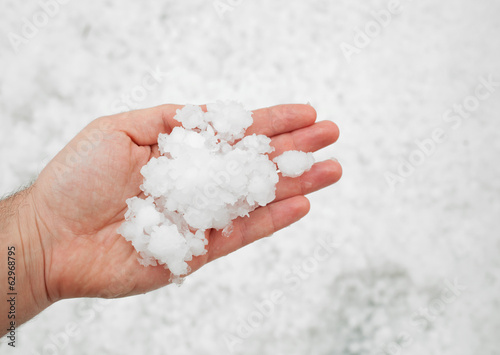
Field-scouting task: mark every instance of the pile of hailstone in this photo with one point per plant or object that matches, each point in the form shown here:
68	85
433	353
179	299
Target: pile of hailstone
208	174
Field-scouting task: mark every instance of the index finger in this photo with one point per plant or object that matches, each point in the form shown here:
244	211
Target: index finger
143	126
275	120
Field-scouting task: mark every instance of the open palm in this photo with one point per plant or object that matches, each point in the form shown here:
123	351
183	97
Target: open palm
80	198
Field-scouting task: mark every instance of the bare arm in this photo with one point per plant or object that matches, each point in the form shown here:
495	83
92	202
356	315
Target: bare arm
22	270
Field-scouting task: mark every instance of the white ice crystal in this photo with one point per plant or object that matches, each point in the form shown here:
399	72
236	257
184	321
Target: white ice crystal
294	163
208	174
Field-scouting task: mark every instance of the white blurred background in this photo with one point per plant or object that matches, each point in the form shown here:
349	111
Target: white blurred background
415	219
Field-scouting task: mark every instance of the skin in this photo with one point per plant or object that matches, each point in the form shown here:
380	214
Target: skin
64	225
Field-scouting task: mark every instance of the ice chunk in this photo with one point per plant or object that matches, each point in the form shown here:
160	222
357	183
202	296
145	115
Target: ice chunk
294	163
178	140
169	247
230	121
257	143
191	116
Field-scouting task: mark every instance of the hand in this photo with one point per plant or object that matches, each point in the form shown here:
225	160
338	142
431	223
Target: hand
79	198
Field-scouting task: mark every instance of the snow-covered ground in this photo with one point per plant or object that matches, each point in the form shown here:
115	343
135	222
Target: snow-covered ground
415	260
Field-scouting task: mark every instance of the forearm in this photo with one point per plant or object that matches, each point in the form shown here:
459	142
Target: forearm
22	269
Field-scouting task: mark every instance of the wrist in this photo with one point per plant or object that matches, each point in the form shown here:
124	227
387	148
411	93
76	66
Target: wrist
20	231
